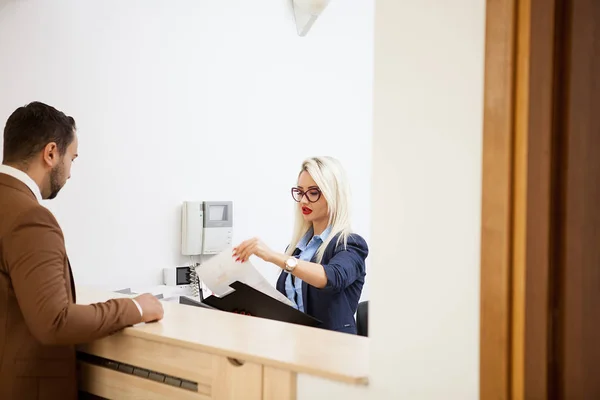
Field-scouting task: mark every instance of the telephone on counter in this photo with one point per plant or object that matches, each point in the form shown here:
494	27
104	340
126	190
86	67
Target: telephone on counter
179	277
185	281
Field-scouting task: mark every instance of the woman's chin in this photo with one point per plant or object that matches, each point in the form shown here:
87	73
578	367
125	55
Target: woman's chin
307	217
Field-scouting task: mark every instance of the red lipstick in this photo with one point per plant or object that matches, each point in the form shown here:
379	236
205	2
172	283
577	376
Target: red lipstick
306	210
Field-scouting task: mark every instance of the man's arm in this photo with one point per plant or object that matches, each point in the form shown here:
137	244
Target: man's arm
35	255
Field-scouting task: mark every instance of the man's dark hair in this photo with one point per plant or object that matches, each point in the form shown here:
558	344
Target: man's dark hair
30	128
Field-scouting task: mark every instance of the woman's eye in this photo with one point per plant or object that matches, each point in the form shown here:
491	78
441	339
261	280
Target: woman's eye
314	193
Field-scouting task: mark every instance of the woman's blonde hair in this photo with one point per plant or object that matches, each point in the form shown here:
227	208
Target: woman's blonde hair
329	175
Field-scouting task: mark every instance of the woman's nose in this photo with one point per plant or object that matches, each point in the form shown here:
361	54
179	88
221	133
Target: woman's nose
304	200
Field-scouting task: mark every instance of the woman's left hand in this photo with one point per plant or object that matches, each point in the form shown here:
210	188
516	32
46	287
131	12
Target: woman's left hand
252	246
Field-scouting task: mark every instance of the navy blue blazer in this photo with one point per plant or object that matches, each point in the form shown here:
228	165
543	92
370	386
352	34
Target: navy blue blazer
336	304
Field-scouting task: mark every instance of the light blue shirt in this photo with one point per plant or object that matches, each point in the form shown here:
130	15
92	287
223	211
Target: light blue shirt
308	247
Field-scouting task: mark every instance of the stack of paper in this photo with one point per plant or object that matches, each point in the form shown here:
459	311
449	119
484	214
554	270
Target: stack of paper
222	270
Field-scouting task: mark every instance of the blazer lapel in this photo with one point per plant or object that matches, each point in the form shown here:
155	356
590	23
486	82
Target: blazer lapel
280	285
296	254
305	296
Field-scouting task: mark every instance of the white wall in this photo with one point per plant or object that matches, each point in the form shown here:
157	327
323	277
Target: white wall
424	303
189	100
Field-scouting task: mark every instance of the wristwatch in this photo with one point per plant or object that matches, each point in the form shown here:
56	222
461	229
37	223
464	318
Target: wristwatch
291	264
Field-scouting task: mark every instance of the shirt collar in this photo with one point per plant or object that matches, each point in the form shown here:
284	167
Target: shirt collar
23	177
323	236
309	235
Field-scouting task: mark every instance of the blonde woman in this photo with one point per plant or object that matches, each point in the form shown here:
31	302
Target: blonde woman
323	268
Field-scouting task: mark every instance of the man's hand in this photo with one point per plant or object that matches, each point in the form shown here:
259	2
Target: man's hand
152	309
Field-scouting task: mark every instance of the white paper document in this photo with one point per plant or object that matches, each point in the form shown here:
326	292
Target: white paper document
222	270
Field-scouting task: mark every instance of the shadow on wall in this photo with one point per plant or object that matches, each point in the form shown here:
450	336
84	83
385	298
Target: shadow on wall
4	3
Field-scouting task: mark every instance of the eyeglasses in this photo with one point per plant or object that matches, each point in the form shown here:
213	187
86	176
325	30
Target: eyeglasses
313	195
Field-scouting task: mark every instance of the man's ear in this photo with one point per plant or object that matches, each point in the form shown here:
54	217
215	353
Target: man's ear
50	154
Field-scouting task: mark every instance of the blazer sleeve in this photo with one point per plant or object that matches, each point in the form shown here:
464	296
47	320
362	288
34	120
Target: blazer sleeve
347	265
35	255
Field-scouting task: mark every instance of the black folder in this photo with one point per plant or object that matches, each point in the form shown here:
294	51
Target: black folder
249	300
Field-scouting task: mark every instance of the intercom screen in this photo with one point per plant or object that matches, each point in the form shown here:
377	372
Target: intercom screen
217	213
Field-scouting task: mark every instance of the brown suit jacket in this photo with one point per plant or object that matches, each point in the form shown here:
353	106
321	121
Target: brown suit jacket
40	324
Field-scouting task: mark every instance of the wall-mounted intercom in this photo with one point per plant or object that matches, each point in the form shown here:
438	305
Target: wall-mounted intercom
218	226
206	227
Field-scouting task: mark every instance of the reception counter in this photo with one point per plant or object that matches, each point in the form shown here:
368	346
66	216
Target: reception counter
196	353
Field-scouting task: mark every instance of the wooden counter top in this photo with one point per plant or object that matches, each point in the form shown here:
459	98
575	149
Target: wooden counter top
331	355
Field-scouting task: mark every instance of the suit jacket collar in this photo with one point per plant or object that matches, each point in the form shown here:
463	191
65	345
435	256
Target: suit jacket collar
19	180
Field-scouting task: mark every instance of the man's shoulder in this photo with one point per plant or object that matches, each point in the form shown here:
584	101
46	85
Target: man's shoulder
23	211
39	216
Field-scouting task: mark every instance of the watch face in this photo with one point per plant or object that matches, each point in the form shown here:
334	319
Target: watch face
291	263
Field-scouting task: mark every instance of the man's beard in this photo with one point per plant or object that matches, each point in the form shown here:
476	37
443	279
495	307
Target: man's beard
56	176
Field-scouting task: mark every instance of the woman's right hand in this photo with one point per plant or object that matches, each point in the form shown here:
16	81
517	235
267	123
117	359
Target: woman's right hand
253	246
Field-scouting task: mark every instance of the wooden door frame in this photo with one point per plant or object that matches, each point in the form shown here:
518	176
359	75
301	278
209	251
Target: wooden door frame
519	101
576	297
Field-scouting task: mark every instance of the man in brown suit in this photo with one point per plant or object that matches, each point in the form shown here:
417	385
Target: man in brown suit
39	320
